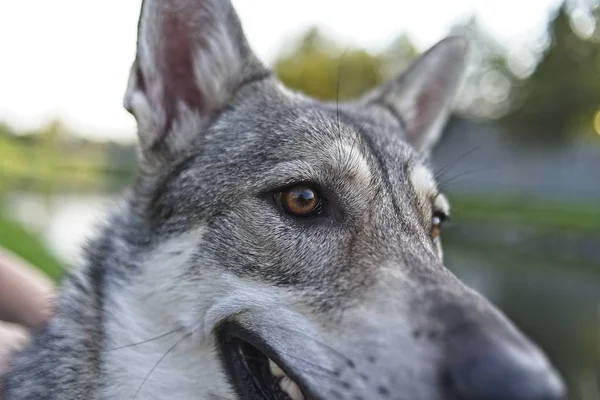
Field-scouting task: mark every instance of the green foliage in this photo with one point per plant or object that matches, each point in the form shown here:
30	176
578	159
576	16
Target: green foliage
550	100
54	159
486	82
16	239
564	89
397	56
323	69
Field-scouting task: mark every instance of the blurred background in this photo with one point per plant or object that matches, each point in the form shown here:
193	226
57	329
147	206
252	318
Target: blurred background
520	158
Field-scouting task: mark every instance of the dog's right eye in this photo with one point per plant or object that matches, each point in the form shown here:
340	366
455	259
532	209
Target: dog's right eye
300	201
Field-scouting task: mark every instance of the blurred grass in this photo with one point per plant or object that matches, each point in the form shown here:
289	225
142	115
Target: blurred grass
536	237
55	160
562	217
26	245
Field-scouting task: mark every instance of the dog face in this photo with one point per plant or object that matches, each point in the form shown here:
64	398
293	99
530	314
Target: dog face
303	236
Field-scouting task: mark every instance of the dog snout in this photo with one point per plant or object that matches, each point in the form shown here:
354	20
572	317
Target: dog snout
486	357
503	372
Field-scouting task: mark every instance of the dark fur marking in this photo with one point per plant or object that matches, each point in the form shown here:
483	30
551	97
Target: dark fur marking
394	113
384	172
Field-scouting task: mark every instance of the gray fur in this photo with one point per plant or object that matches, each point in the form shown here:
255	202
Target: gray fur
356	302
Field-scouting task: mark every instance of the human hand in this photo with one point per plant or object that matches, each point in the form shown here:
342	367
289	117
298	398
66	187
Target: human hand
26	303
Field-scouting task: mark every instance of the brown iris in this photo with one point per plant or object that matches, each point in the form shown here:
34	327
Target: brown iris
299	201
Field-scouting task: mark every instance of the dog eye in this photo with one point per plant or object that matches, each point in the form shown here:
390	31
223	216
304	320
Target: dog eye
437	221
299	201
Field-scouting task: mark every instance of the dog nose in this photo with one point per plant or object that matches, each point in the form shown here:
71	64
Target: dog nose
506	374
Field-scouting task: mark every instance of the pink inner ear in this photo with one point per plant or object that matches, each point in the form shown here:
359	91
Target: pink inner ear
178	45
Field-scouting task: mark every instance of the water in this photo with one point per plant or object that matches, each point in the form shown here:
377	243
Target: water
554	302
63	221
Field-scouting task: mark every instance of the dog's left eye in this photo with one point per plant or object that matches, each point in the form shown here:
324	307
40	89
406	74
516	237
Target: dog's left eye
436	223
299	201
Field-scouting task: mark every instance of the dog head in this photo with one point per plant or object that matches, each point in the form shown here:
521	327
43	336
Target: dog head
304	236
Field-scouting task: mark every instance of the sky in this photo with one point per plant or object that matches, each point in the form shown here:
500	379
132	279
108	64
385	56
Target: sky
70	59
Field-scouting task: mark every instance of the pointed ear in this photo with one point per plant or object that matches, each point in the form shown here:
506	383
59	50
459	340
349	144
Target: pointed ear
192	56
420	98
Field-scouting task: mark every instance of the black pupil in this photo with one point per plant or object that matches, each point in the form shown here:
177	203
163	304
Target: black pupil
304	196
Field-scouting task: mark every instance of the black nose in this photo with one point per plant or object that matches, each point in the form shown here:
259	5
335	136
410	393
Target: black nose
505	373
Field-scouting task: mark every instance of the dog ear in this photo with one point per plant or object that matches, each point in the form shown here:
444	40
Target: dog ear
420	98
192	56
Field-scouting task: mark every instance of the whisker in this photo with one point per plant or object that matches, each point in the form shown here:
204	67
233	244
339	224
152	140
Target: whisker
452	184
144	341
356	137
453	180
158	363
452	163
348	361
326	372
337	92
218	397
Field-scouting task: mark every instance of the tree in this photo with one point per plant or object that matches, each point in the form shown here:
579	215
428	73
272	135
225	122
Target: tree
397	56
563	93
323	69
487	81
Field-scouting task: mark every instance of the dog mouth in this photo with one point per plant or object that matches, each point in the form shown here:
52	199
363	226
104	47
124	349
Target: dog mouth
251	368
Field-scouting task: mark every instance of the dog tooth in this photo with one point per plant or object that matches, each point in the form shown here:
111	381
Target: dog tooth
276	370
291	388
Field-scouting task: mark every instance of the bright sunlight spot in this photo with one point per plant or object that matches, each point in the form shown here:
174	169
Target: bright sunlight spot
597	122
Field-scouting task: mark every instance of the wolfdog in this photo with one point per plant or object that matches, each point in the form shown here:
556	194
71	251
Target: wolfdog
274	246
